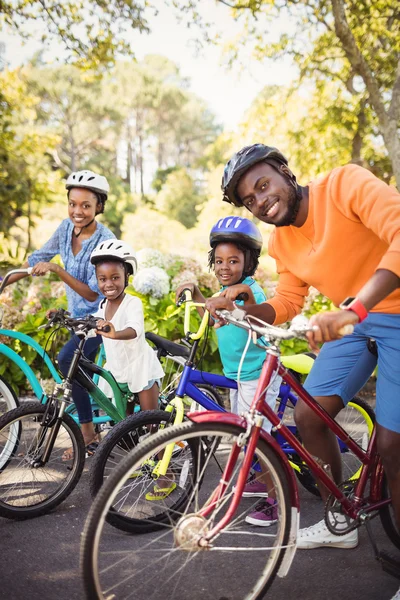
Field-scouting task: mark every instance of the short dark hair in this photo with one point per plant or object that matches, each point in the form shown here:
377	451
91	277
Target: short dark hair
251	257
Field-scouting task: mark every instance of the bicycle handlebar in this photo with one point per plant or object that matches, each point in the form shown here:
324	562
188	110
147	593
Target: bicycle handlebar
298	328
83	325
7	276
186	298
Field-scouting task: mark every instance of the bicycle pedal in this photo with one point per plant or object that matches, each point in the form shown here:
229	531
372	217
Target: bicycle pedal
390	564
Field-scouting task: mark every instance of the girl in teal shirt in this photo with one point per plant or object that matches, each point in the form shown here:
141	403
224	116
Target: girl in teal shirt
235	249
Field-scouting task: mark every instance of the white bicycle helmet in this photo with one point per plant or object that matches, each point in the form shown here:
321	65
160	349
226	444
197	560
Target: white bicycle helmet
115	250
88	180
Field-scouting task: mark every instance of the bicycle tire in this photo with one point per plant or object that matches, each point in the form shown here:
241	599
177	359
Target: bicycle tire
8	398
209	391
387	517
122	438
8	401
353	468
28	489
225	563
130	428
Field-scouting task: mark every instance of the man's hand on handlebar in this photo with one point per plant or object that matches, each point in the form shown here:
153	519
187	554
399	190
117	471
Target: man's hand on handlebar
219	303
329	326
239	291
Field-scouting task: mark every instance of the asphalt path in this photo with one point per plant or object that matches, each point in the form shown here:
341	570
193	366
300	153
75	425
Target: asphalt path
40	559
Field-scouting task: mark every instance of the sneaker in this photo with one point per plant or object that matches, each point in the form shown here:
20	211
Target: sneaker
255	488
396	596
318	535
265	513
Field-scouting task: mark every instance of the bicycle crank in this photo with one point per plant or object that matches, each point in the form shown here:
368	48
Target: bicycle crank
336	520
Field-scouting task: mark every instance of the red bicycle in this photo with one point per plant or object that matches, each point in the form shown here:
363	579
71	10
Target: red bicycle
208	536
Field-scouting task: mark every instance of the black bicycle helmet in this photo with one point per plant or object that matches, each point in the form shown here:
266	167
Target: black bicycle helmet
236	230
241	162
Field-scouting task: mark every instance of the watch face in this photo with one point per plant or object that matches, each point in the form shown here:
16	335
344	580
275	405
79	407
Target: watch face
347	301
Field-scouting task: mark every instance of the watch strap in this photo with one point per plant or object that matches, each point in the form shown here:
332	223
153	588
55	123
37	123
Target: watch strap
358	307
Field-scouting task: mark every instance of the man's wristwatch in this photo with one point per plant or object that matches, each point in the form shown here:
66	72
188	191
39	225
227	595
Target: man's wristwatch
354	304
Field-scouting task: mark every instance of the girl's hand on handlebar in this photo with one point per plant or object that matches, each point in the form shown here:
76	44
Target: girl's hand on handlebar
106	329
41	268
330	326
197	296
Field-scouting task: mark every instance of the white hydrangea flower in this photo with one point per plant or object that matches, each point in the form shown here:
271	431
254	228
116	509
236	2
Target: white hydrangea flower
148	257
184	277
152	281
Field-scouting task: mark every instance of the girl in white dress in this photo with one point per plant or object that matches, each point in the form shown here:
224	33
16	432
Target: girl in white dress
129	357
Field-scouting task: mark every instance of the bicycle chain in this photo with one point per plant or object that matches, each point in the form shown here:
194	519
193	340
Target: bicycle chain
336	520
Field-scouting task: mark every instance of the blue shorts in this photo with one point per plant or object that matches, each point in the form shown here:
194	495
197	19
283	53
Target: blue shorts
344	366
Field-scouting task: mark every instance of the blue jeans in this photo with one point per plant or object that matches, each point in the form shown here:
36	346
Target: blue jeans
79	394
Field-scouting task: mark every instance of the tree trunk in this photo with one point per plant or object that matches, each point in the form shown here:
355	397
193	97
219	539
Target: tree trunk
388	119
359	137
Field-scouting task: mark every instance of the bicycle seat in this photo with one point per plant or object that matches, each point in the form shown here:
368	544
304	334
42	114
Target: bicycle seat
168	347
301	363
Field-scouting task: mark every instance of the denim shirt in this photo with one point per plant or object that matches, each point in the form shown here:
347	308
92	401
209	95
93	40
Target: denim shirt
78	266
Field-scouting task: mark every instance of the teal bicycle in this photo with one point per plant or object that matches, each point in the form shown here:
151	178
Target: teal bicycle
34	475
8	398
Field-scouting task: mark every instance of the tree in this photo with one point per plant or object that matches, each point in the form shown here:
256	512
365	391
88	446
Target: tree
356	43
92	34
180	198
317	128
26	179
74	104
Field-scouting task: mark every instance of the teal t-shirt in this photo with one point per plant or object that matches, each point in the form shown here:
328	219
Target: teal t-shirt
232	340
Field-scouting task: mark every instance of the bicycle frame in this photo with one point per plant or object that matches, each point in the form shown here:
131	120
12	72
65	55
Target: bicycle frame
371	464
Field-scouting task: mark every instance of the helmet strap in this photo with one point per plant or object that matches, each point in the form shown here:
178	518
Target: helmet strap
82	228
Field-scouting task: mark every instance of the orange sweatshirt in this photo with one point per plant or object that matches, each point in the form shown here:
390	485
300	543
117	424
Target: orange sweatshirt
352	229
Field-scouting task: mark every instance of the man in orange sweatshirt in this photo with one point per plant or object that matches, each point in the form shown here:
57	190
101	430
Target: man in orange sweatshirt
340	234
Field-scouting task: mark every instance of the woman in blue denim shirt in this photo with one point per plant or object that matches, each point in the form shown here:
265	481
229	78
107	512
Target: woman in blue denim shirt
74	240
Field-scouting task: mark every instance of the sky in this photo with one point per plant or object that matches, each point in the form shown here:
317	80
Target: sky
227	91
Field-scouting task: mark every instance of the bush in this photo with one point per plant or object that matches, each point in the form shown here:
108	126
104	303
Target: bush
24	308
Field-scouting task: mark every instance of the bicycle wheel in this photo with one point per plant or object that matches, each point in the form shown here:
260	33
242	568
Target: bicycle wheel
357	419
8	401
388	518
122	438
241	562
8	398
211	392
28	487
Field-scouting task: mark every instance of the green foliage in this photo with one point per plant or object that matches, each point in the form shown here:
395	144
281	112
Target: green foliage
354	46
180	198
164	318
25	307
316	303
161	176
92	34
26	180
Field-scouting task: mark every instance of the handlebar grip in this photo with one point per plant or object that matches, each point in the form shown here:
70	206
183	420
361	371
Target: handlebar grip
346	330
243	296
29	270
106	329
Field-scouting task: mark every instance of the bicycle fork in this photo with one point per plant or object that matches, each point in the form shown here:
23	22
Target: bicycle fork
51	420
162	466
